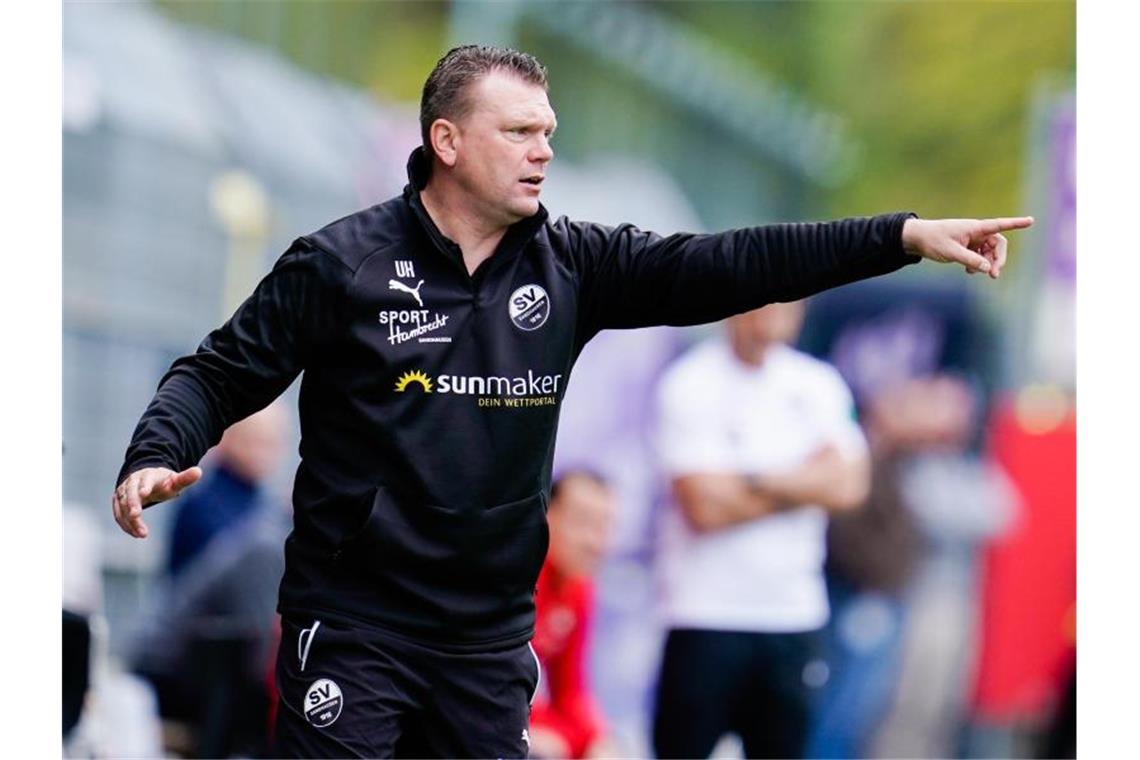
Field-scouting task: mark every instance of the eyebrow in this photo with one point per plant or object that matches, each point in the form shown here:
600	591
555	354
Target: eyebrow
531	124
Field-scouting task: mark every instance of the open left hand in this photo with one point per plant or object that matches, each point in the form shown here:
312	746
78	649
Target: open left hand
144	487
976	244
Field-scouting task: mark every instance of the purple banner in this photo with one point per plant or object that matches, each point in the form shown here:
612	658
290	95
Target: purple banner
1061	252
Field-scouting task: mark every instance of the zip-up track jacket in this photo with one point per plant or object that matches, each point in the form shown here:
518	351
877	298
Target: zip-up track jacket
430	397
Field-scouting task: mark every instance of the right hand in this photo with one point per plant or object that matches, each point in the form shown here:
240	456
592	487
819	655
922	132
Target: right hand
141	488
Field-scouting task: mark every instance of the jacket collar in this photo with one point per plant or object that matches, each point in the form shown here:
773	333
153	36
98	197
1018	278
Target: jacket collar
517	236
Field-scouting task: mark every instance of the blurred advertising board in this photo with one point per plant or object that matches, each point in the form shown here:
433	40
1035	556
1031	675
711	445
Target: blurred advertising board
1028	629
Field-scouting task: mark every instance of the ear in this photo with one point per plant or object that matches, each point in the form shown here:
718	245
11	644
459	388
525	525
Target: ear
444	136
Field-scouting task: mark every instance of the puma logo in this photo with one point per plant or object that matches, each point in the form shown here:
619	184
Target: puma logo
413	292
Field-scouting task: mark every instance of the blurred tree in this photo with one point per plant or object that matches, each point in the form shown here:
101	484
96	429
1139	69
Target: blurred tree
384	47
938	93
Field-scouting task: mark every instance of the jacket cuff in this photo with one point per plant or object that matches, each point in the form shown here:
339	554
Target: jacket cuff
896	250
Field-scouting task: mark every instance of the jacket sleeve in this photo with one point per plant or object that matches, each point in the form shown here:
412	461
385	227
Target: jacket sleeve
632	278
243	365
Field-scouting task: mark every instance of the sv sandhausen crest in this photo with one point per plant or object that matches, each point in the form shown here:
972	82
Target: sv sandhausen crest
529	307
323	703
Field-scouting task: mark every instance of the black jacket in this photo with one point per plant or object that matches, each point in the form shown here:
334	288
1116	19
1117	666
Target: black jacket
430	398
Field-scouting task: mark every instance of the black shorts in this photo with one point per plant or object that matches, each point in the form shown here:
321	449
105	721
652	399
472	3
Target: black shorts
351	692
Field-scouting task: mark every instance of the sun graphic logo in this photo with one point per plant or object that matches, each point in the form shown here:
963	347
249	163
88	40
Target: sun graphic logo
413	377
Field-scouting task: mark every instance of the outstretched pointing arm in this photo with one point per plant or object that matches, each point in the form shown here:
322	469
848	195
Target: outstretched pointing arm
634	278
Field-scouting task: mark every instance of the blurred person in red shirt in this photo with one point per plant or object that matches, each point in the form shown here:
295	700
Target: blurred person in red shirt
565	719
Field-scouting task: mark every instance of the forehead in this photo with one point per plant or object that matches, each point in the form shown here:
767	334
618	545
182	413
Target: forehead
585	497
503	95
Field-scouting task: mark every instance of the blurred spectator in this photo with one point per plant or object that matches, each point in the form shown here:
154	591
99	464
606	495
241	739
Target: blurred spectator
76	668
82	599
82	561
761	444
106	712
962	500
899	571
872	557
247	455
207	642
206	647
565	720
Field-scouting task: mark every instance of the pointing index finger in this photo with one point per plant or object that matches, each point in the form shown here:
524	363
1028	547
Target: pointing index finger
1001	224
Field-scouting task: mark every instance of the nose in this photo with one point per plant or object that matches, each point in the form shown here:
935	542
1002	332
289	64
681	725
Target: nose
542	152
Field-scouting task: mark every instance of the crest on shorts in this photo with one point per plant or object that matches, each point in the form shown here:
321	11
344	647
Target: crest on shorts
323	702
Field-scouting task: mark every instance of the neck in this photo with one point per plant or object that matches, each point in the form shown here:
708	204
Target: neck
754	359
476	236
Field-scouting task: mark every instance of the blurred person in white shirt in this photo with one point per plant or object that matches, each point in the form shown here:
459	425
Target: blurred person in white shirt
760	443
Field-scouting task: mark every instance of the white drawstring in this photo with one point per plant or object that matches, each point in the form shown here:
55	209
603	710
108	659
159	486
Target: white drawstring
304	642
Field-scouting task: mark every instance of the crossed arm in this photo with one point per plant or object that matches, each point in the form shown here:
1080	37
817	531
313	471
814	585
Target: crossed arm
713	501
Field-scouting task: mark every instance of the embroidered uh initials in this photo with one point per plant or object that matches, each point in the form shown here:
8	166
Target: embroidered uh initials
404	269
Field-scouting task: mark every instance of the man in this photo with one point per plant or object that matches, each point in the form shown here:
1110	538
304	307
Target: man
565	720
761	444
247	455
908	352
436	332
206	645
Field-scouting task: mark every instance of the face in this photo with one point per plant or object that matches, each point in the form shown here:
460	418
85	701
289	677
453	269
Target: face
579	526
253	447
922	414
499	150
754	332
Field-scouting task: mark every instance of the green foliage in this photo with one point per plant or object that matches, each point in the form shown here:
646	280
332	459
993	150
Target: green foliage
938	94
386	47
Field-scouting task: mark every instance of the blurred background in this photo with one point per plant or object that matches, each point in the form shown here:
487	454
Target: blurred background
201	138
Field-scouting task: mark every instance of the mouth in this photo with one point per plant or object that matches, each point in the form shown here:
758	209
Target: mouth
534	179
